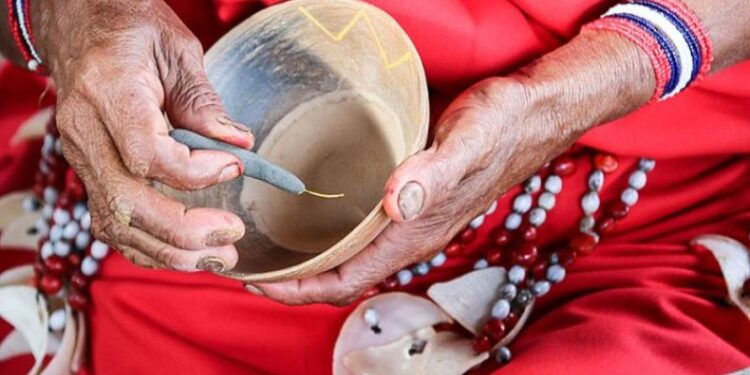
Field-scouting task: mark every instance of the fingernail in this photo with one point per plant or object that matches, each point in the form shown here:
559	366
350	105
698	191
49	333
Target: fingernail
411	200
222	237
229	172
211	264
227	121
254	290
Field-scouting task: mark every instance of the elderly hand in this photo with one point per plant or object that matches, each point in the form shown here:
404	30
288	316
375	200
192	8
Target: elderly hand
492	137
119	66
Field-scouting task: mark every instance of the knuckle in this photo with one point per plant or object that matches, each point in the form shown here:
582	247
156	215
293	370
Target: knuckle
137	155
193	92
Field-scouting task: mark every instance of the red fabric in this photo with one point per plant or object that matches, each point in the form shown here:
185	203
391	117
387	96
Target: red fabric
644	302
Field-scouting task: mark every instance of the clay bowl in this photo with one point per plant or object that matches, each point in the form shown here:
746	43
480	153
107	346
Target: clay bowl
335	92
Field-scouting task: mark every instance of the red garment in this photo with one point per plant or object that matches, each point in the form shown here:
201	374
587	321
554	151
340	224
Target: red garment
644	302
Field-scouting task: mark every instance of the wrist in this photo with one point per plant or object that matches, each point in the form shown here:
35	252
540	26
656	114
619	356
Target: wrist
595	78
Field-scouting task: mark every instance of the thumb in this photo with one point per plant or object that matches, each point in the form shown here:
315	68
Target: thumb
427	178
192	103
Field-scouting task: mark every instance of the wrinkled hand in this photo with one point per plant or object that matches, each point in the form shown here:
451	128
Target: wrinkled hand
119	66
489	139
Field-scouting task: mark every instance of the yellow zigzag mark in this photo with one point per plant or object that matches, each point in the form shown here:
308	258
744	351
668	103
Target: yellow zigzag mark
342	34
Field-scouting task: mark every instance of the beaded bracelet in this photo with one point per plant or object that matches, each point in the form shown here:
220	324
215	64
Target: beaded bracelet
671	35
19	22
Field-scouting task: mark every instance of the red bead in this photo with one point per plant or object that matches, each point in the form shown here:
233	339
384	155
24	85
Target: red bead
607	163
467	236
494	256
77	300
564	166
50	284
39	267
502	237
51	178
746	289
566	257
482	344
525	254
74	260
391	282
371	292
618	209
56	265
529	232
511	320
494	329
454	249
539	270
583	243
606	225
64	201
79	280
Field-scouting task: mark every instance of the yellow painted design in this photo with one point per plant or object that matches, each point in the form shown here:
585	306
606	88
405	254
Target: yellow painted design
360	15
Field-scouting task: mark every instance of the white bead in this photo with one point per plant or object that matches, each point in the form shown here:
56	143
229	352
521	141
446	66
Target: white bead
372	318
83	239
587	224
477	222
547	200
50	195
61	248
61	216
438	260
48	144
99	249
533	184
421	269
596	180
46	250
47	211
516	274
78	210
522	203
481	264
590	203
537	216
491	209
43	167
30	204
71	230
501	309
513	221
89	266
637	180
553	184
57	320
404	277
629	196
55	233
33	65
646	165
42	228
86	220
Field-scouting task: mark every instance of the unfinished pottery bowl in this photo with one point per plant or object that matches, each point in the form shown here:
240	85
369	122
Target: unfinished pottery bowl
333	91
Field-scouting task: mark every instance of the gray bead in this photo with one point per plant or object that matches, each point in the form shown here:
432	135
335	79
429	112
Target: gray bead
491	209
501	309
553	184
629	196
404	277
50	195
438	260
86	220
596	180
587	224
516	274
47	211
522	203
508	291
637	179
533	184
71	229
30	204
421	269
476	222
547	200
61	216
537	216
554	258
541	288
46	250
55	233
513	221
503	355
555	273
481	264
78	210
83	239
523	298
590	202
646	164
61	248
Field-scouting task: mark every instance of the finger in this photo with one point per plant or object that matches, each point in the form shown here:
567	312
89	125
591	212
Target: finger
192	103
430	176
120	197
137	258
139	130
